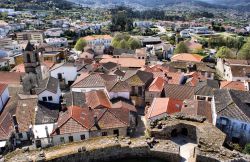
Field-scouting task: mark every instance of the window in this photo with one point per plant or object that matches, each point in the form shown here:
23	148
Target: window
133	90
71	139
82	137
59	76
20	135
104	133
62	139
243	126
140	91
44	98
50	98
201	98
116	132
209	99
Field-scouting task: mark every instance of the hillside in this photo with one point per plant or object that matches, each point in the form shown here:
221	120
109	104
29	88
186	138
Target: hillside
241	5
36	4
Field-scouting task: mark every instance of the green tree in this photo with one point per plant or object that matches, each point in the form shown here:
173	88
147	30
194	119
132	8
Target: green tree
244	52
181	48
224	52
247	149
80	44
125	41
123	44
134	43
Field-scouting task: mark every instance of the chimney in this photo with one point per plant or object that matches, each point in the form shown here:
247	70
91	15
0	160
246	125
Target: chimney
47	132
63	105
15	123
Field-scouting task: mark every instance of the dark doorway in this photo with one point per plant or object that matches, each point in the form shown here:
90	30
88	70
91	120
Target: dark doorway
38	143
116	132
71	139
184	131
174	133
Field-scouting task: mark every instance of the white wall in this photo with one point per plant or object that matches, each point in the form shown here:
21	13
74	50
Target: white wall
236	126
88	89
119	94
69	73
76	136
40	133
4	98
214	114
55	96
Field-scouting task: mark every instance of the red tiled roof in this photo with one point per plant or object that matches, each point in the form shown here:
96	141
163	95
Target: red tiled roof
75	119
49	64
6	127
10	78
174	77
124	105
194	108
19	68
232	85
94	37
126	62
2	87
157	85
25	113
164	105
187	57
97	99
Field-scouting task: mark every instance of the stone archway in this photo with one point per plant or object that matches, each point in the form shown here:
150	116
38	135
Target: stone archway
184	131
174	133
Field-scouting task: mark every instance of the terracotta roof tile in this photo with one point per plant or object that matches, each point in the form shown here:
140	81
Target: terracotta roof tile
187	57
11	78
200	108
97	99
2	87
157	85
232	85
124	105
164	105
25	113
126	62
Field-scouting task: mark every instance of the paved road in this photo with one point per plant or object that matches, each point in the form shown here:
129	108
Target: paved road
186	151
141	127
186	148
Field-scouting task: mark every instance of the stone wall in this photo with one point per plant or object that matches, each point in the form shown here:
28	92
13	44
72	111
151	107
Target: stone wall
116	151
110	132
168	131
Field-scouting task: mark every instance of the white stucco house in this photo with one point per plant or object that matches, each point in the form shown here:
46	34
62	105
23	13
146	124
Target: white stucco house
91	82
64	72
42	134
71	126
4	95
51	92
120	89
233	70
231	114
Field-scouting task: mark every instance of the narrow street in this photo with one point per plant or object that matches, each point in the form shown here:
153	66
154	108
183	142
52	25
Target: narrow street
186	148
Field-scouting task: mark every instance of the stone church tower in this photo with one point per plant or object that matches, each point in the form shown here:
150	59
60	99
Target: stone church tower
33	76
